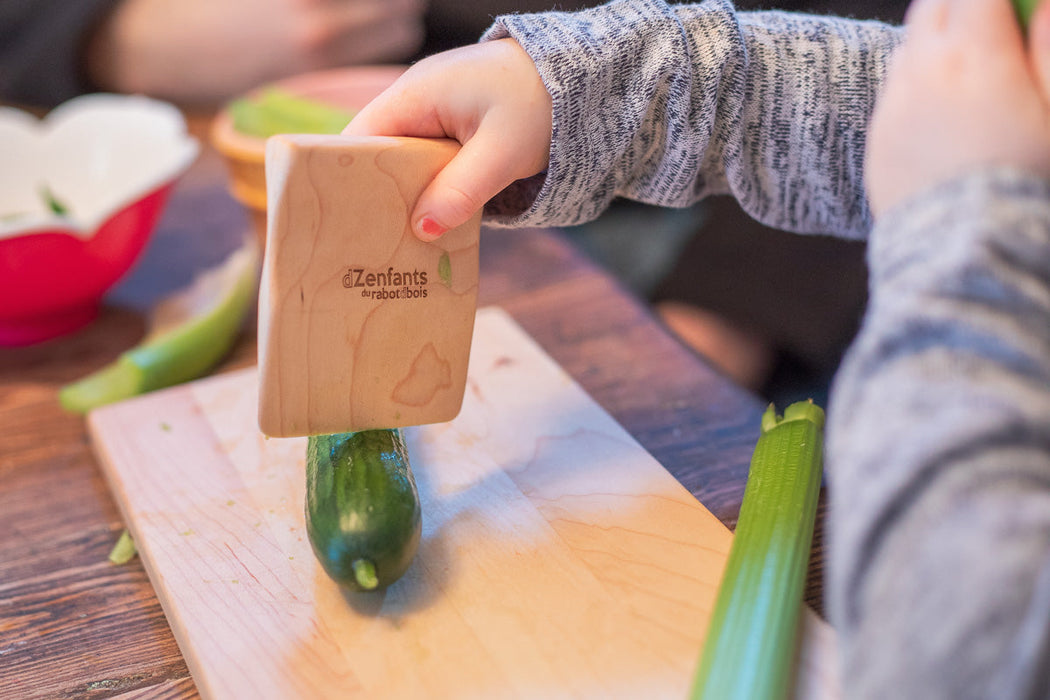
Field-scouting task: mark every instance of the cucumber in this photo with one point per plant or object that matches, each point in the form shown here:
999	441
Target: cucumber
362	507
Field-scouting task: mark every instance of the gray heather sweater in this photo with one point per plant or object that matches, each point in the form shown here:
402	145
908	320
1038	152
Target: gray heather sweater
939	419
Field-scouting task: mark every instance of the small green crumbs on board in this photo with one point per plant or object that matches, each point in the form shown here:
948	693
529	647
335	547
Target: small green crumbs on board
124	550
56	206
445	269
165	427
105	684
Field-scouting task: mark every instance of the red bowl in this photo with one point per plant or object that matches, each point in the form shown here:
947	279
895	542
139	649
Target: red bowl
115	160
52	282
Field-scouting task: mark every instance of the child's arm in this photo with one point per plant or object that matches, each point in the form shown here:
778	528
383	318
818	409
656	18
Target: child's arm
666	104
654	102
939	423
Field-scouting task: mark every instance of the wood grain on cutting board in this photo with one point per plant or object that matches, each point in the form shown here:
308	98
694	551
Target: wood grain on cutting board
558	558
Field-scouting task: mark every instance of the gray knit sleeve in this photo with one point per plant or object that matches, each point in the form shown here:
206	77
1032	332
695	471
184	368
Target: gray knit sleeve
939	450
666	104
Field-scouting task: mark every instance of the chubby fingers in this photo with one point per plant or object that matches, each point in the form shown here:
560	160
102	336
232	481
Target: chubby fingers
487	96
987	24
961	94
980	24
406	108
476	174
487	163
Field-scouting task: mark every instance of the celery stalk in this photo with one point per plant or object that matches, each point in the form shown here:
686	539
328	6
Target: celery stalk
750	644
191	332
276	111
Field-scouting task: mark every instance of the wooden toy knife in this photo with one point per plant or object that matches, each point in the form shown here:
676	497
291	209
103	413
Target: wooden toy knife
361	324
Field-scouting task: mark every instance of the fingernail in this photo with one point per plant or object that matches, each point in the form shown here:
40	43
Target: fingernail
430	228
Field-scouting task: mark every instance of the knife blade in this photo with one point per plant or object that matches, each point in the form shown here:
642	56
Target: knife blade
361	324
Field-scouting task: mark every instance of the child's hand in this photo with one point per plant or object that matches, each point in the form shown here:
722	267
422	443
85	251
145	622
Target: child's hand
490	98
962	92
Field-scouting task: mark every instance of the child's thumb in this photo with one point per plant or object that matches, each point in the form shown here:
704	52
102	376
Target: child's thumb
476	174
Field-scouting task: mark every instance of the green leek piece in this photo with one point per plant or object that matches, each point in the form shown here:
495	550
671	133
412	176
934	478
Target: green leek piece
124	550
191	331
55	205
276	111
1024	9
750	646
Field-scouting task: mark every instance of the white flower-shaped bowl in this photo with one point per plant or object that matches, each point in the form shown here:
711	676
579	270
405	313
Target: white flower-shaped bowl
80	193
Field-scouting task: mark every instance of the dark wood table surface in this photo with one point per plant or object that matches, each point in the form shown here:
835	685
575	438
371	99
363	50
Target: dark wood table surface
73	625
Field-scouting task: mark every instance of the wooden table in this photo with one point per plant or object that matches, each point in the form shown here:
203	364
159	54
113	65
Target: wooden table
73	625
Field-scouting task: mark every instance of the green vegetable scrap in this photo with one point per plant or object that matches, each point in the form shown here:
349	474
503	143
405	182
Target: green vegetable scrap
192	331
445	269
1024	9
53	203
276	111
750	643
124	550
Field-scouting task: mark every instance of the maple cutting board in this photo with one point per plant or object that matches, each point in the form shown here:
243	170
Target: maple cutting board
558	559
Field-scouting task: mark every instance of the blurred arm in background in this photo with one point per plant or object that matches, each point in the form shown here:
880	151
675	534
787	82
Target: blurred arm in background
206	51
191	51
